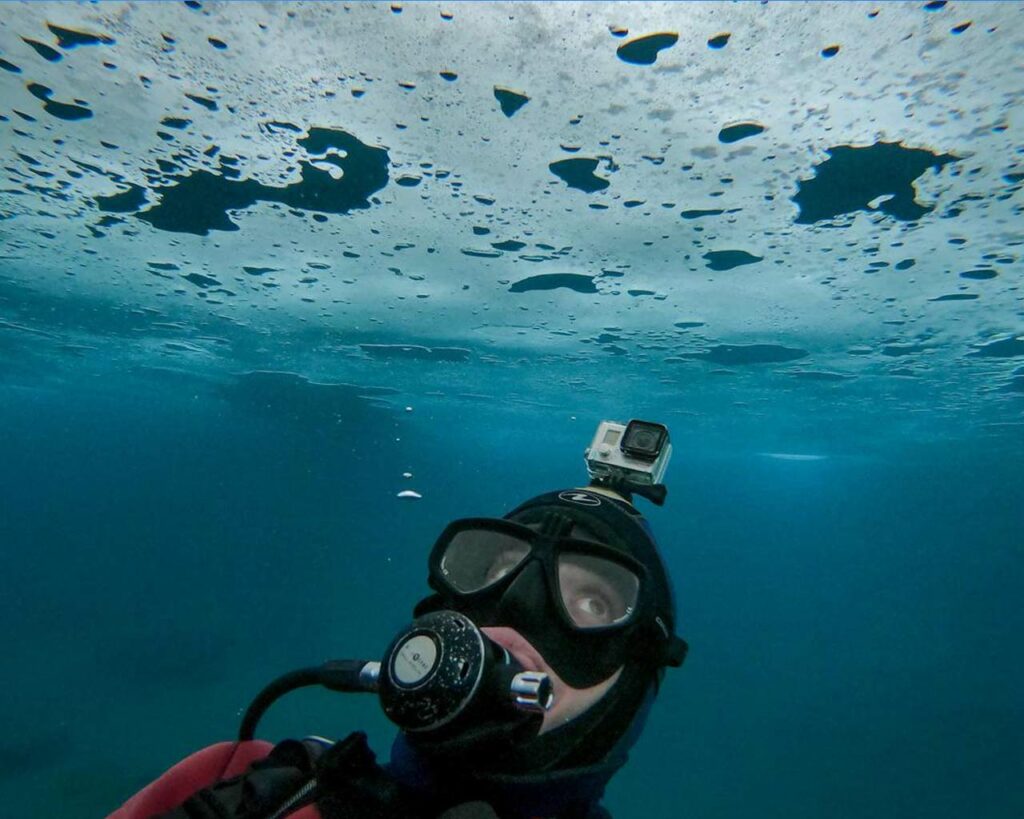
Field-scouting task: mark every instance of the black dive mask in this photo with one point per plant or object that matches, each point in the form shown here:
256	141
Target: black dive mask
584	605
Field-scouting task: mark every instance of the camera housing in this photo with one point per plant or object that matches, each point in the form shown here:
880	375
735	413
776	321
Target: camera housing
637	452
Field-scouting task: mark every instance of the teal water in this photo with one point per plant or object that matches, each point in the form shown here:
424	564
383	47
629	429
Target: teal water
264	267
851	622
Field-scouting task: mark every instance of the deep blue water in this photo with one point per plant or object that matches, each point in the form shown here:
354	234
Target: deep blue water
853	623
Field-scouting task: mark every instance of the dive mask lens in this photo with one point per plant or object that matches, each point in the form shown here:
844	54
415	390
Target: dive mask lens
477	558
596	592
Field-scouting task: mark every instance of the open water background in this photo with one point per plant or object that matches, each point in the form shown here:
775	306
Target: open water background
853	622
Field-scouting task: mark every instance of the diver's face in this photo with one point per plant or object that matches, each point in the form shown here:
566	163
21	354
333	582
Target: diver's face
591	600
569	702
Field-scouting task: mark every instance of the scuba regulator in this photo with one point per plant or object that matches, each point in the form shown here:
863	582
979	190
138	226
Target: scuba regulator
437	676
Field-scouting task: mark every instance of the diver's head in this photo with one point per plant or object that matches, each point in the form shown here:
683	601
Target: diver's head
571	584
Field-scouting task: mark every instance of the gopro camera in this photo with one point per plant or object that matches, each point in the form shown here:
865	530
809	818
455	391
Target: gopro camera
637	452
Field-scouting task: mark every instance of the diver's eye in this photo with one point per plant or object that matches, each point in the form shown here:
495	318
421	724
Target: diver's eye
596	592
593	608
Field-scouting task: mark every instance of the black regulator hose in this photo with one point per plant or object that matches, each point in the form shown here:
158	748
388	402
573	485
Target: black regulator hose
338	675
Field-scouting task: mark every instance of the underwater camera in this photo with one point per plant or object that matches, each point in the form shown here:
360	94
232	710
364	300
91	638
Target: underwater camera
631	457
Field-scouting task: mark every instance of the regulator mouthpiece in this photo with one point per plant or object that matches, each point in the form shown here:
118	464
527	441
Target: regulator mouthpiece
442	671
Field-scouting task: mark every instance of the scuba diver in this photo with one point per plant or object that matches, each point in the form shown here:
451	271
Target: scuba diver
519	688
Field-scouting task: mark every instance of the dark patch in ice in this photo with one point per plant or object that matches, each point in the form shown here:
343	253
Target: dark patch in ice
738	354
961	28
408	181
60	110
956	297
210	105
70	38
199	202
483	254
640	292
220	45
829	51
699	214
1004	348
740	130
552	281
415	352
258	271
578	173
851	178
644	50
176	122
935	5
508	244
199	280
43	50
688	325
509	100
127	201
6	66
728	259
905	264
478	230
719	40
979	274
483	200
163	265
449	76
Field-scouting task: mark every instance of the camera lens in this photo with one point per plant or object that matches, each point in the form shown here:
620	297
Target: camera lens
644	440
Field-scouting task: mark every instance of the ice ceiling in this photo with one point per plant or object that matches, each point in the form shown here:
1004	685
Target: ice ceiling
723	208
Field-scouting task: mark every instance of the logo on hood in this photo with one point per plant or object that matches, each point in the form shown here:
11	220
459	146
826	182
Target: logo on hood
580	498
